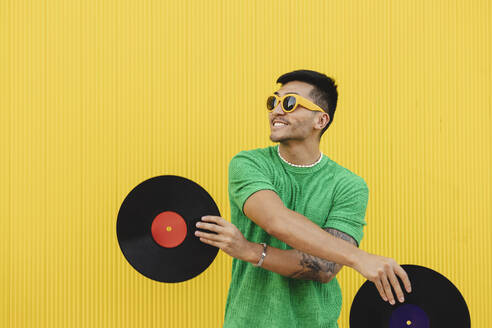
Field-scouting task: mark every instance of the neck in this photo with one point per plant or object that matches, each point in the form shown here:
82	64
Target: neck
299	153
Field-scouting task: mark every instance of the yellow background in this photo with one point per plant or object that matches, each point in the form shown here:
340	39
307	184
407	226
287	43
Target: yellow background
98	96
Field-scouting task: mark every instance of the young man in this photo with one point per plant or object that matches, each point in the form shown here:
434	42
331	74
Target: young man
297	217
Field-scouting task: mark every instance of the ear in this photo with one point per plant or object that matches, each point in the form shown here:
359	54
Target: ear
323	120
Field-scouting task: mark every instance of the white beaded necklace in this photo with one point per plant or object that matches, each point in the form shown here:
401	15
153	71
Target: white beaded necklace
297	165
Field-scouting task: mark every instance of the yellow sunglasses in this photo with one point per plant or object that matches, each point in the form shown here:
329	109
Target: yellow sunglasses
289	103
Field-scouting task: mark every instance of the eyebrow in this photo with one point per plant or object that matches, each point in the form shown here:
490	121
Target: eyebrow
276	93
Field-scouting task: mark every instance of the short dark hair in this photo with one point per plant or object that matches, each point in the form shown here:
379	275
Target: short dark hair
324	93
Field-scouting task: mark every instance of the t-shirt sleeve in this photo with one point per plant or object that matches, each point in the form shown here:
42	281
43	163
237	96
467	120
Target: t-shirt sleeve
247	175
349	208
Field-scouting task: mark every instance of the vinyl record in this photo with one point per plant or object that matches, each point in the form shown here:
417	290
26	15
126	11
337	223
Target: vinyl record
433	302
156	226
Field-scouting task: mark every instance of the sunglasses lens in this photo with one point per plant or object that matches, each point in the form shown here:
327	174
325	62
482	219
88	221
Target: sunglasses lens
271	102
289	103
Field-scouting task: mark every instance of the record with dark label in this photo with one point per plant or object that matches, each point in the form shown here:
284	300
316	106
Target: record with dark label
433	302
156	226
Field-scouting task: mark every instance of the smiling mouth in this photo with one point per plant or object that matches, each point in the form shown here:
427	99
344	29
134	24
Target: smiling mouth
278	125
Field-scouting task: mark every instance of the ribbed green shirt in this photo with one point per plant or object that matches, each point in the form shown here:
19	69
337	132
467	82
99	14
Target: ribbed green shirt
327	194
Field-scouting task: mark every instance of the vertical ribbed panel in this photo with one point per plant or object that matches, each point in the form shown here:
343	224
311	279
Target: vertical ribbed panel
97	96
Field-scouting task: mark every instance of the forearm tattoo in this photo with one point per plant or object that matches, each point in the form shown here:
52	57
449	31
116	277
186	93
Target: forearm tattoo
314	268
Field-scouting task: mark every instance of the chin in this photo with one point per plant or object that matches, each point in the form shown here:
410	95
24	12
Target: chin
276	138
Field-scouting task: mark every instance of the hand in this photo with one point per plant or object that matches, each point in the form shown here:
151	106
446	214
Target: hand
379	270
228	237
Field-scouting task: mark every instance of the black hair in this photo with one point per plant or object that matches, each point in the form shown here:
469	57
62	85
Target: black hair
324	93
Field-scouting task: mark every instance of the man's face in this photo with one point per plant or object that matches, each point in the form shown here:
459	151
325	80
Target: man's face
301	122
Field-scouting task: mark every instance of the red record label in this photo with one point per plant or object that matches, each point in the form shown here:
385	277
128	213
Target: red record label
168	229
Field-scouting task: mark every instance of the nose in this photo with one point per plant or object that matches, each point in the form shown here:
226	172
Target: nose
278	109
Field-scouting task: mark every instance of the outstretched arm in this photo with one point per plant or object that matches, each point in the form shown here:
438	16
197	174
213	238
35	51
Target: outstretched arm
267	210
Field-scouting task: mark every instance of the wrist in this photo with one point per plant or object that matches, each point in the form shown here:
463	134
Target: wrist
355	258
253	253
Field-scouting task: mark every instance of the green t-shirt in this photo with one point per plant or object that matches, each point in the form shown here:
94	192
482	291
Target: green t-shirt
327	194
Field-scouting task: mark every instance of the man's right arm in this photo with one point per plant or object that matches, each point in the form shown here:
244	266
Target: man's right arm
267	210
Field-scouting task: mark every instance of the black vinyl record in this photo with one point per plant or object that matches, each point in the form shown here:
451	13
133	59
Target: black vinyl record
156	226
434	302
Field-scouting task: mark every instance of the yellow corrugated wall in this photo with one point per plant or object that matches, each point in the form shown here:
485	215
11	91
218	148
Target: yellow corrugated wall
97	96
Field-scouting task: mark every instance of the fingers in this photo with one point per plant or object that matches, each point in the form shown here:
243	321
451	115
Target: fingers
386	287
210	226
215	219
217	225
379	286
210	236
218	236
388	279
404	278
210	242
396	285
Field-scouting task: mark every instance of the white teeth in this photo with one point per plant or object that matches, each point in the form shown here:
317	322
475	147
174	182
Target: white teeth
279	124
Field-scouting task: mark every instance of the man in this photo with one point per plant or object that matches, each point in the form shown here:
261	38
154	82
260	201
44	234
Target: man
297	217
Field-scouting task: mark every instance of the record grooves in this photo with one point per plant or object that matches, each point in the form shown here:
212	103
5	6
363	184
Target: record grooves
156	224
433	302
